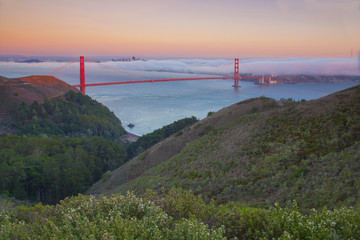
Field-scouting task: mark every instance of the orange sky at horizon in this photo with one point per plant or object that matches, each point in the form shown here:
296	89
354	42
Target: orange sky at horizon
174	28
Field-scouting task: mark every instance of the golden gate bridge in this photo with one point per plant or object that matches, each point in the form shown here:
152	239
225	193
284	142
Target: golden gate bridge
261	79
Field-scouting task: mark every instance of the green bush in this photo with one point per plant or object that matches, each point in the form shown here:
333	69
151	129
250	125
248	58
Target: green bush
210	113
173	214
243	222
112	217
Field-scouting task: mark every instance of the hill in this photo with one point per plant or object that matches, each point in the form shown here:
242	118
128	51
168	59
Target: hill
47	106
258	151
293	79
14	91
65	140
29	89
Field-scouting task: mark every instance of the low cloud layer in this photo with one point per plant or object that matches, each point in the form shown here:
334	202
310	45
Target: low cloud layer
325	66
315	66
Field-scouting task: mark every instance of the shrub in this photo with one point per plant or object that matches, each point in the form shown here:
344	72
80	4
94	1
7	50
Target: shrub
108	217
210	113
243	222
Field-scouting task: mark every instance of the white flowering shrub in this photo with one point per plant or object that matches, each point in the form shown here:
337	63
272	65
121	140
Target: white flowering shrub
109	217
175	214
343	223
243	222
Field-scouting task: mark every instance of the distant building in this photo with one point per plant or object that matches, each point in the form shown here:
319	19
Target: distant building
266	80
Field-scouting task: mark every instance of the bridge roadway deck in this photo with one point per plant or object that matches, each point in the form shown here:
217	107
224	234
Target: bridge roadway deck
162	80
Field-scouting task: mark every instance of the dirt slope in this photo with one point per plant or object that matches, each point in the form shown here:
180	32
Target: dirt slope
14	91
29	89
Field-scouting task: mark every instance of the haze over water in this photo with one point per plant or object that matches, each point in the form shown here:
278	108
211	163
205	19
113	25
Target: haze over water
152	105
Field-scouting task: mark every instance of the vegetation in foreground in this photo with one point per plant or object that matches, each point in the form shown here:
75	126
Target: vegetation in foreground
175	214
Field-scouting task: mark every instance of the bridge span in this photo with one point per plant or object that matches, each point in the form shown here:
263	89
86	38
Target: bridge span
261	79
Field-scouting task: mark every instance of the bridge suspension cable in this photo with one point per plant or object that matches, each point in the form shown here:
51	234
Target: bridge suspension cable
63	66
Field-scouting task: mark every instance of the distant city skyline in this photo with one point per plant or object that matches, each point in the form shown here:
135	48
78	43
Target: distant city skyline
174	28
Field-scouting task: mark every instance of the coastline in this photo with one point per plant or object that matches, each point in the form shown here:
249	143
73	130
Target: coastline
129	137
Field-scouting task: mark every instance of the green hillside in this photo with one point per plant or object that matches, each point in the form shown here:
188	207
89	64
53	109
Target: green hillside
46	106
48	170
54	141
72	114
258	152
150	139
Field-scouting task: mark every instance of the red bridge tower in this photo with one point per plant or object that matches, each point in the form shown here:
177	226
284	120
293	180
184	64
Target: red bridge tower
82	75
236	73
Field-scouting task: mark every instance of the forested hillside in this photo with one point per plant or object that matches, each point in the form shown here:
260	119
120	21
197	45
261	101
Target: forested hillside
73	115
62	139
258	152
48	170
47	106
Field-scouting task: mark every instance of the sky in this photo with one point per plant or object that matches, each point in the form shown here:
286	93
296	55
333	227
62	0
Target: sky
181	28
